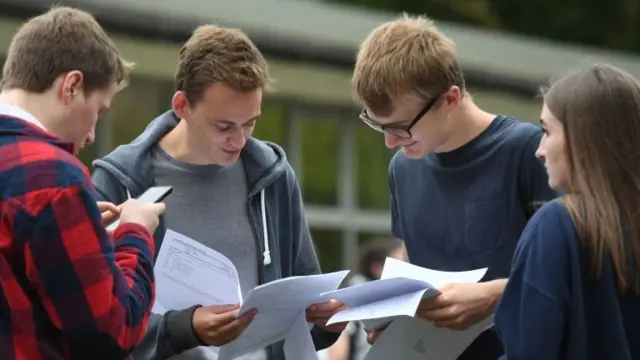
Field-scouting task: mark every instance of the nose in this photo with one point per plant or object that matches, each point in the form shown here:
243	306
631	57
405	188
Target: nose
238	139
540	153
391	141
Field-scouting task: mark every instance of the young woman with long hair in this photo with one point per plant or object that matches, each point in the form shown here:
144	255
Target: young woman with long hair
574	288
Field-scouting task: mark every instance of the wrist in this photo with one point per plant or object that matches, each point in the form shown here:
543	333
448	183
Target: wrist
495	288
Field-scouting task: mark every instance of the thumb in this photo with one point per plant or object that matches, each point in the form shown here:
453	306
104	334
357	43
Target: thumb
159	208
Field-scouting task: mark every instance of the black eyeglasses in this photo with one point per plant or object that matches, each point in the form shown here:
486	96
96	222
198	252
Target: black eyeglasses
401	131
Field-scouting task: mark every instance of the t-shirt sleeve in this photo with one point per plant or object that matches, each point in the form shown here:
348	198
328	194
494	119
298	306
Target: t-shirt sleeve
532	312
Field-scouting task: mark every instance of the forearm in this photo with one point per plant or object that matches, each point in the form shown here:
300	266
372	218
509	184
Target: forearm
101	309
167	335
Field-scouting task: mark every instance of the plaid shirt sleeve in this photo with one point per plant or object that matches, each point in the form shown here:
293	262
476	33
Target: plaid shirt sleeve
96	289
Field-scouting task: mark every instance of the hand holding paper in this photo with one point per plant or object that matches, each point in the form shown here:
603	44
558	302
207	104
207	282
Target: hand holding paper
220	324
399	291
319	314
459	305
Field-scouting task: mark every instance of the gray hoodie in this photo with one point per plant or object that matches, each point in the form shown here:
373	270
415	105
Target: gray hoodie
272	183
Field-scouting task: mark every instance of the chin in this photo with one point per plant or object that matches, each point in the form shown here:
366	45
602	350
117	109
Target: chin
414	151
557	185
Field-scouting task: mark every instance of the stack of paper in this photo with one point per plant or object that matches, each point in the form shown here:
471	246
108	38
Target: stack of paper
398	293
189	273
409	338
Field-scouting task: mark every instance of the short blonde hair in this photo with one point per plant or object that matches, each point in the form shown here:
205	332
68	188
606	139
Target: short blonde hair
405	57
216	54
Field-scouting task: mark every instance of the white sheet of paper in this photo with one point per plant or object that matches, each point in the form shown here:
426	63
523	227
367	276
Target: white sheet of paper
398	268
397	293
279	303
409	338
189	273
298	343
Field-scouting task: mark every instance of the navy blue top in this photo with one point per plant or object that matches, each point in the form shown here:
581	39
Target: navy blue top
553	308
465	209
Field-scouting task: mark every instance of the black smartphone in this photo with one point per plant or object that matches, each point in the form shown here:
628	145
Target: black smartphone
153	195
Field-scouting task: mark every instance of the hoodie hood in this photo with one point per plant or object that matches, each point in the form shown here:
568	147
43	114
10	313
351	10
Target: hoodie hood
264	162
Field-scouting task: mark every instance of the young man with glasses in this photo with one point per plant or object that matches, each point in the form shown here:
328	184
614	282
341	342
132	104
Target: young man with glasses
466	181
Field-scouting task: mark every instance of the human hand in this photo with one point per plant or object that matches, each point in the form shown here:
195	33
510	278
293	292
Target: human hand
109	212
320	313
147	215
220	324
372	335
460	306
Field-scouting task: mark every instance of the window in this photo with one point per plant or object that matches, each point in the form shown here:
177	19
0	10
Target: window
373	163
328	244
135	106
271	125
319	160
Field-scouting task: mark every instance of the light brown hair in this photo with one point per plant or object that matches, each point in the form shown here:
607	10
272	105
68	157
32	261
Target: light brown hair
216	54
599	108
404	57
62	40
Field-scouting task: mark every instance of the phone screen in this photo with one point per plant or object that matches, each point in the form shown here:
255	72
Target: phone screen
155	194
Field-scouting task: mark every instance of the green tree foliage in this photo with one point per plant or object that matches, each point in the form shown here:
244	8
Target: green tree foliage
612	23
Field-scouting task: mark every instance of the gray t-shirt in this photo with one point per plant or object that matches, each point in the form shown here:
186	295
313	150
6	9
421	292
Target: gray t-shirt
209	205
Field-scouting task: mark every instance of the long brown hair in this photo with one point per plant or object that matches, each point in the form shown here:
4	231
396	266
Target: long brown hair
599	107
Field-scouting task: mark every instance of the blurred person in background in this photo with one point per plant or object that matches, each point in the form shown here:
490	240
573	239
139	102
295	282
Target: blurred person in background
352	344
574	289
231	192
465	182
68	290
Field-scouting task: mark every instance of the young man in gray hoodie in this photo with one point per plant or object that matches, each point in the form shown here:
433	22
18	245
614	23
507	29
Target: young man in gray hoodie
234	193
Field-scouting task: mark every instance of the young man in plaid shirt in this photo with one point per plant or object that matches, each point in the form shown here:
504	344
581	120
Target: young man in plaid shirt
68	290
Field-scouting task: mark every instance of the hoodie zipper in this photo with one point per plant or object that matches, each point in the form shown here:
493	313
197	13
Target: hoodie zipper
256	238
260	260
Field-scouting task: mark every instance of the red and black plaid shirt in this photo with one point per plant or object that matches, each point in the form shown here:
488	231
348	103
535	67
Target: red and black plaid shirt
68	290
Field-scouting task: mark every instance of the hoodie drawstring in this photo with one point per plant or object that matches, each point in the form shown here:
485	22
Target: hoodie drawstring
265	233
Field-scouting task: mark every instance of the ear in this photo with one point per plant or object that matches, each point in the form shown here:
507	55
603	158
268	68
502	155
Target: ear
453	96
72	85
180	103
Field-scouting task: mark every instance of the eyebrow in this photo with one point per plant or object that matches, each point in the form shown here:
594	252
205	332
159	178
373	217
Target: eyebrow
229	122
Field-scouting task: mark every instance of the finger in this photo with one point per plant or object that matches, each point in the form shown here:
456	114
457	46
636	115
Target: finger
373	336
104	206
320	314
221	309
108	217
448	313
327	306
434	302
233	329
159	208
107	206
